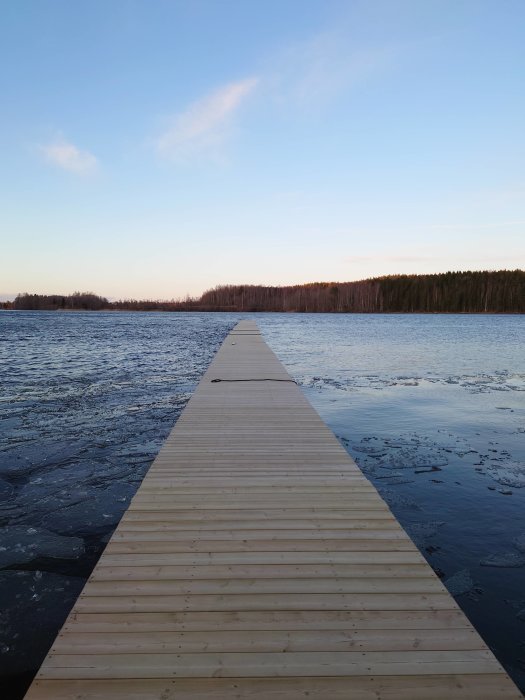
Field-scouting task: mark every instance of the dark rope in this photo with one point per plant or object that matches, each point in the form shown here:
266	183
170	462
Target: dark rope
214	381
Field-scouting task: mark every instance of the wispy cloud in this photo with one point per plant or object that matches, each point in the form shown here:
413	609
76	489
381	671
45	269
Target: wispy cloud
205	125
317	70
306	74
67	156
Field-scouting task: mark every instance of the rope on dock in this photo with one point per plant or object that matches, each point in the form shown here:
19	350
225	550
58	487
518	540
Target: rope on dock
264	379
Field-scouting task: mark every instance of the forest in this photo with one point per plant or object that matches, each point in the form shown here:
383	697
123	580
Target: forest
500	291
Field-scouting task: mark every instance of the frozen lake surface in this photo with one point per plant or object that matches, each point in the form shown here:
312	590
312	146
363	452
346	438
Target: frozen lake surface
431	407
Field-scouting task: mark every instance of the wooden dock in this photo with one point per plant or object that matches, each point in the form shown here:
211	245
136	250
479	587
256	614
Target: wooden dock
257	562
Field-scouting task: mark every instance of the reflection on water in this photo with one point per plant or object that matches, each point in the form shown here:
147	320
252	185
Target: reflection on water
431	407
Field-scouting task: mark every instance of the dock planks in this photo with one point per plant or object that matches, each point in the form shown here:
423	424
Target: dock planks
257	562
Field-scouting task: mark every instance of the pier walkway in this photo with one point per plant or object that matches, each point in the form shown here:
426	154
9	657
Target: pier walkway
257	562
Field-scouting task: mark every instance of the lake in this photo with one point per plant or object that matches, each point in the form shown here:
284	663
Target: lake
431	407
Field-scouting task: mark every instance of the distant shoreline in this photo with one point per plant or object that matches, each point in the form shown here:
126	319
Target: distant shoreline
501	291
236	311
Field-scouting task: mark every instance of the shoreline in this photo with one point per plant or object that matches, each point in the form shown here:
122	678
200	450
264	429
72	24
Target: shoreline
261	311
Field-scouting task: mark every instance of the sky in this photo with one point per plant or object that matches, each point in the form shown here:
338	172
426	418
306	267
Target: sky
158	148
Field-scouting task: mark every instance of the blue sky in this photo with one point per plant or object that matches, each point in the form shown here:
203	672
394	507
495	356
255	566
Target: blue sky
154	148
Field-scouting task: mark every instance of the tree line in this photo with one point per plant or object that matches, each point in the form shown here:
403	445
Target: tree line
78	301
450	292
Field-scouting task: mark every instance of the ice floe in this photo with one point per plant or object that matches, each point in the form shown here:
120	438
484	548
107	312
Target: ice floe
21	544
459	583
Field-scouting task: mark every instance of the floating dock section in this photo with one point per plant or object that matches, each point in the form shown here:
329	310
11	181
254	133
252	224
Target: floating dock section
257	562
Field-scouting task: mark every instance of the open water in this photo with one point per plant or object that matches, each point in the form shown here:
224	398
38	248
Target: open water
430	406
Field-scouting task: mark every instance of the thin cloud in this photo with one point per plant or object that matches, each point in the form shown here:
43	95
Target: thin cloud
317	70
67	156
205	124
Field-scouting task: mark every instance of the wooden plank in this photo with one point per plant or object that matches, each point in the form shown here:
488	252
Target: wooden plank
254	534
204	525
267	513
368	500
258	601
420	687
266	641
261	664
236	572
257	562
199	586
166	488
319	544
269	620
279	557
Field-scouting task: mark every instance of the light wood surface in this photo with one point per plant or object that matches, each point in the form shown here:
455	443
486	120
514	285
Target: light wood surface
257	562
